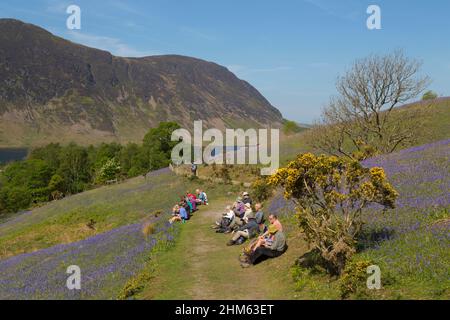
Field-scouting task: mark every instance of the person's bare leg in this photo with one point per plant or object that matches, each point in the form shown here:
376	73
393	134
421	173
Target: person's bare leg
258	244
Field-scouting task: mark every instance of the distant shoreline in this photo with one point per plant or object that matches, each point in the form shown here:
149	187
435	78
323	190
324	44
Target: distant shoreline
12	154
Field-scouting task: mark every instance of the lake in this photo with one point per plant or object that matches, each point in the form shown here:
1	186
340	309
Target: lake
12	154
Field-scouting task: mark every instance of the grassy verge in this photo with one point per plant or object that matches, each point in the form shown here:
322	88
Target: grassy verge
96	211
136	284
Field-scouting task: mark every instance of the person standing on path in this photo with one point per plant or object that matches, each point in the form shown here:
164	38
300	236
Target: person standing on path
194	170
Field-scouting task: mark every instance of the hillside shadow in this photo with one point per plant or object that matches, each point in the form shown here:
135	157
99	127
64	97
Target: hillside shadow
372	238
313	261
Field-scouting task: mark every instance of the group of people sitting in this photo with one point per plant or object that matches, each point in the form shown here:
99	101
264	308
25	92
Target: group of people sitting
244	223
187	205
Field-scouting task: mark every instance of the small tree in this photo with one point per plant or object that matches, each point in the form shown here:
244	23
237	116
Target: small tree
109	171
361	115
157	145
330	194
429	95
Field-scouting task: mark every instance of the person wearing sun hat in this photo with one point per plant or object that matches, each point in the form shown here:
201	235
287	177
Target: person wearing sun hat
239	211
239	207
246	198
269	250
248	212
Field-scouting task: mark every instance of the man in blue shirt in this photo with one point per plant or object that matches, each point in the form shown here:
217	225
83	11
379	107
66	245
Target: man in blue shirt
179	214
183	214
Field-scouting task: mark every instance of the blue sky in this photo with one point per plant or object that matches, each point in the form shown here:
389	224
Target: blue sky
291	50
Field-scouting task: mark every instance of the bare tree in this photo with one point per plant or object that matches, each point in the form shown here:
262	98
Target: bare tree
360	121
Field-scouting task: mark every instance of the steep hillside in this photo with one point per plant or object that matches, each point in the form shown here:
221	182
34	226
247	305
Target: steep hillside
54	90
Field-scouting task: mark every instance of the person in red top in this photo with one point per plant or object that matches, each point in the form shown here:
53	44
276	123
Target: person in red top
193	200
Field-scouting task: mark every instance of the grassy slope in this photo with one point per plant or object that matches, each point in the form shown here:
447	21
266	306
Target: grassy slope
437	122
66	221
410	243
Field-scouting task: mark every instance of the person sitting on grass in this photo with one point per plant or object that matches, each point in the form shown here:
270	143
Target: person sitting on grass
186	205
192	200
223	224
272	249
273	219
248	212
259	216
239	208
246	198
202	198
179	214
247	231
265	238
239	211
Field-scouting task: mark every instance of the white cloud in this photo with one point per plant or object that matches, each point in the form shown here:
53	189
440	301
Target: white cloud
113	45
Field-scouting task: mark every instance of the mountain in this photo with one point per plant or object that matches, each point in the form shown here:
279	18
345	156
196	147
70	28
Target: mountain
52	89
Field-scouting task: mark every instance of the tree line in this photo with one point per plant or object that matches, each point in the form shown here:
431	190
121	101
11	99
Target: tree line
54	171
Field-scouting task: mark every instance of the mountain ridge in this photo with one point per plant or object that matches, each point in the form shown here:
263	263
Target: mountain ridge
54	90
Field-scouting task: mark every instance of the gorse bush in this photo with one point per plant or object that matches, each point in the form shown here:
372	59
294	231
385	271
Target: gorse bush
354	279
330	194
261	190
135	285
222	172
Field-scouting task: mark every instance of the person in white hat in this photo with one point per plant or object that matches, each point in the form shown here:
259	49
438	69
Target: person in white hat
248	212
246	198
227	217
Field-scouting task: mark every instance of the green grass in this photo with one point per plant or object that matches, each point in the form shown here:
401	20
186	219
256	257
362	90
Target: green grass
201	266
437	121
65	221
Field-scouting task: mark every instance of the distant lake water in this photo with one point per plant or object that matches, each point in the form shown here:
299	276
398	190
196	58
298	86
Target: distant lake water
12	154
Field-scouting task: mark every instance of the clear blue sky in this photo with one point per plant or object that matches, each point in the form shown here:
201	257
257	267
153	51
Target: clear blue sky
290	50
